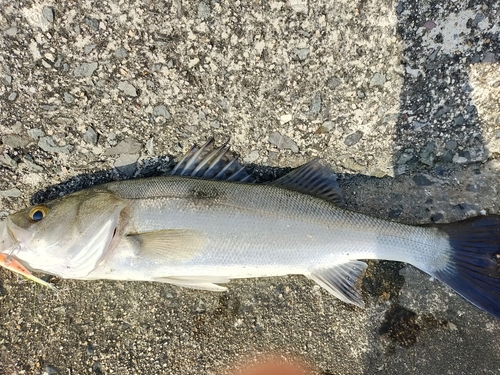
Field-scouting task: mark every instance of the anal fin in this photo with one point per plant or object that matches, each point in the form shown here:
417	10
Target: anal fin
342	280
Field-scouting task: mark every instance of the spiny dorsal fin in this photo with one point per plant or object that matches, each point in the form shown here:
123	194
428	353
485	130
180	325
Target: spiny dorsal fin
313	178
211	163
342	280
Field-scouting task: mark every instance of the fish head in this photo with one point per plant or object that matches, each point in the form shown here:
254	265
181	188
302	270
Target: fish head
66	237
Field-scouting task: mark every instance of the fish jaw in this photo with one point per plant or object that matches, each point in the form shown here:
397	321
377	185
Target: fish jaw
7	242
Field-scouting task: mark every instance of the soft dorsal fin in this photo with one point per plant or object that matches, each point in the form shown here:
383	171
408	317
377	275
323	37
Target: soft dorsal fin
342	280
313	178
211	163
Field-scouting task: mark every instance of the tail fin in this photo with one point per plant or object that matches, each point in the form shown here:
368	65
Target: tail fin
474	268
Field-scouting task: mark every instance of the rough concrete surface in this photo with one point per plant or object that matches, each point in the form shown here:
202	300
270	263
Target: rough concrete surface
401	98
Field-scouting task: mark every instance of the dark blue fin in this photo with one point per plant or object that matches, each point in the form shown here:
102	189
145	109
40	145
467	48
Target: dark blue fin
211	163
474	267
342	280
314	178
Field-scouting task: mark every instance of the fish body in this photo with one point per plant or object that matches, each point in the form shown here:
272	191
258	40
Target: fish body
206	224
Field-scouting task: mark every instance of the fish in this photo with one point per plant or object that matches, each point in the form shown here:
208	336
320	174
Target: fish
209	221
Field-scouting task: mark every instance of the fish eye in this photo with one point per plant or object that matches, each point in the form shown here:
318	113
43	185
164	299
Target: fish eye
37	213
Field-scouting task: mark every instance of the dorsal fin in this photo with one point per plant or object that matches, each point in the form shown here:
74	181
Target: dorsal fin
211	163
313	178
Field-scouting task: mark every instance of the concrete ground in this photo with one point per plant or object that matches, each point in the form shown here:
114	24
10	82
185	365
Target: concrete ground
401	98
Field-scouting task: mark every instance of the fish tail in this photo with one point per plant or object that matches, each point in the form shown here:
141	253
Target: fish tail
474	267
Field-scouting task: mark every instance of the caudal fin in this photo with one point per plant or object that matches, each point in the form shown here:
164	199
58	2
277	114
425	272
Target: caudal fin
474	268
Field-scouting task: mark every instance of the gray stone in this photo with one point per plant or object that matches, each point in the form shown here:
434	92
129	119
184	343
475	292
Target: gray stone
251	157
12	96
421	180
90	136
58	62
48	14
326	127
451	145
85	69
7	161
68	98
128	146
47	144
35	133
150	146
93	23
14	140
378	80
427	154
443	110
301	53
161	110
32	166
89	48
283	142
406	156
315	104
418	125
121	53
489	57
12	31
334	82
48	107
126	164
459	120
353	138
127	88
14	193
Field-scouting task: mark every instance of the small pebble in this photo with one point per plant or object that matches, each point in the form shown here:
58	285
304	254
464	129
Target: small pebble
85	69
283	142
14	193
353	138
161	110
126	164
377	80
90	136
48	144
301	53
285	119
48	14
421	180
121	53
127	88
68	98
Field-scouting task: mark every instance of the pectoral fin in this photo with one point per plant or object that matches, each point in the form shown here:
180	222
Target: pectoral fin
169	244
342	280
197	282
